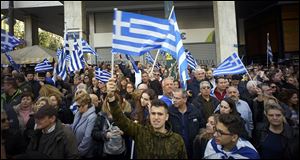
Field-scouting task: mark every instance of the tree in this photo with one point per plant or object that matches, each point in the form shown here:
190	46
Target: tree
46	39
49	40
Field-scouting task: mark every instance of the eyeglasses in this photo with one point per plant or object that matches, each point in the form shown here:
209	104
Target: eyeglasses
220	133
4	120
207	87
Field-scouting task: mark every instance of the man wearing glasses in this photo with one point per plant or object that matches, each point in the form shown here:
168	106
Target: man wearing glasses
227	143
205	102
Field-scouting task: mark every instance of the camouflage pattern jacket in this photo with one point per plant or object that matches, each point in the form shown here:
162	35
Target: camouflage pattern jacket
148	143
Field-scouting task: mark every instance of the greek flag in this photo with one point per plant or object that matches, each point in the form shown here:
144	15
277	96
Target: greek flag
150	60
242	150
136	69
231	65
269	50
61	65
103	75
8	41
86	48
136	34
76	56
43	66
12	62
174	46
163	53
190	59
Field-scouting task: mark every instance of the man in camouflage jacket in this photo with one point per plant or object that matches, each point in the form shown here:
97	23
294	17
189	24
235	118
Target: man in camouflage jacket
155	141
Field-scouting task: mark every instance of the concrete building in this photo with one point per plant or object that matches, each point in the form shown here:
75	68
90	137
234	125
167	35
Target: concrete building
213	29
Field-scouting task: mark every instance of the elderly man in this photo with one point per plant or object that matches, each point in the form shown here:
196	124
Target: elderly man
205	102
242	107
193	87
168	87
51	139
185	119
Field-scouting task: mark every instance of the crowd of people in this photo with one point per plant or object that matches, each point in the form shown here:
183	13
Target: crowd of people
253	115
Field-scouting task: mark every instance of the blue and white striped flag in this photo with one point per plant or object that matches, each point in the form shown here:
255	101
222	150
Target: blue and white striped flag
76	56
163	54
12	62
86	48
191	60
43	66
231	65
269	50
61	64
136	34
150	60
136	69
103	75
174	46
8	41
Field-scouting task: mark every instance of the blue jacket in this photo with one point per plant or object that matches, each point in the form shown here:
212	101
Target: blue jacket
82	127
187	124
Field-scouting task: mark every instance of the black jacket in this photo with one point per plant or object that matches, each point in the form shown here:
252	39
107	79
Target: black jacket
198	103
289	139
195	122
63	144
98	134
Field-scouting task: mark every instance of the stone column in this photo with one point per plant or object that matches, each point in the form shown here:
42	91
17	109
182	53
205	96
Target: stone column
225	29
31	31
75	17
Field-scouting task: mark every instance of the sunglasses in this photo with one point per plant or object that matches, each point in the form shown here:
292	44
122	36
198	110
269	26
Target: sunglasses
207	87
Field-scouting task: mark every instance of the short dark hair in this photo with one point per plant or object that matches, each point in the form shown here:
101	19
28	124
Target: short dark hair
233	123
160	103
11	81
44	111
20	77
221	77
28	94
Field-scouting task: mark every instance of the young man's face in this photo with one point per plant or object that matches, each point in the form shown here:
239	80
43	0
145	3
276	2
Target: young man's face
222	135
158	117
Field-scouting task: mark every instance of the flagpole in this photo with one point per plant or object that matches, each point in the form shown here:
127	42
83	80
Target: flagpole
159	49
112	64
267	51
245	68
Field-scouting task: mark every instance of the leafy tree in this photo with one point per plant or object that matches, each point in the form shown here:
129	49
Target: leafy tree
46	39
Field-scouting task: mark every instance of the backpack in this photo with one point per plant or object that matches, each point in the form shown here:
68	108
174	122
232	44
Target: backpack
116	144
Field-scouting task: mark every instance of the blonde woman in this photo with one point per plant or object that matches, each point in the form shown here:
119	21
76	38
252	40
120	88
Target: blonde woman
83	124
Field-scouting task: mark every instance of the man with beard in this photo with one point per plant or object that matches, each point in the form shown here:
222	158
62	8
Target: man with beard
34	83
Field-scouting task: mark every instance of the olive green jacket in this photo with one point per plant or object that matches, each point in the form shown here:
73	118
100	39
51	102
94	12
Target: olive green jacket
148	143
